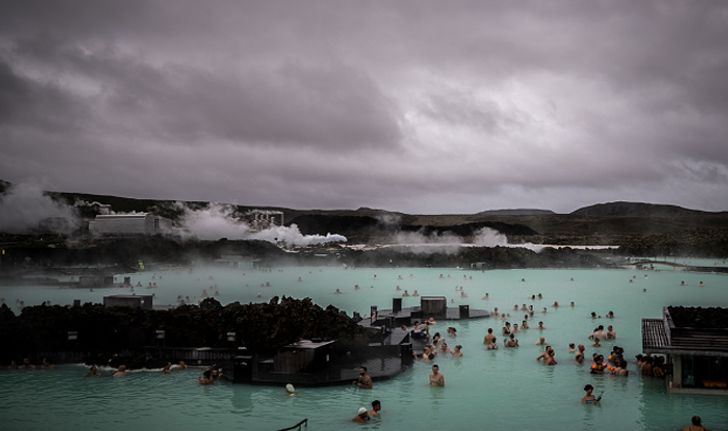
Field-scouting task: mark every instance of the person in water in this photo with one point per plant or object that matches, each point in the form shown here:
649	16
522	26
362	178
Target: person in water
120	372
457	352
290	390
511	341
206	378
376	408
696	424
93	371
364	381
548	356
362	416
579	358
588	397
436	377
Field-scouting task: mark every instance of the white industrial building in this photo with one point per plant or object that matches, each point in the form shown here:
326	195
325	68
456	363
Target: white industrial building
128	224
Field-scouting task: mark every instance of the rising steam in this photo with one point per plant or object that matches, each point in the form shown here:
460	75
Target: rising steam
25	208
218	221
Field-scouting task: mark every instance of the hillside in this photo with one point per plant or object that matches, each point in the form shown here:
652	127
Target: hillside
640	228
636	209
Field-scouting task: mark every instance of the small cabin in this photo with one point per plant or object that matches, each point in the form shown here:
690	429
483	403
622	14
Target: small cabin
695	341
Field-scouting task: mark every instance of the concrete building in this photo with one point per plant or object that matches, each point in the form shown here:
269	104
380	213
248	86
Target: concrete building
128	224
264	219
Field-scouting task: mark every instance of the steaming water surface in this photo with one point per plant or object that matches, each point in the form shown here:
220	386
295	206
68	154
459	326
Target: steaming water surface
485	389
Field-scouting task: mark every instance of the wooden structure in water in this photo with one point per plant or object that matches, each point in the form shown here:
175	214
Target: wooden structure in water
430	306
695	341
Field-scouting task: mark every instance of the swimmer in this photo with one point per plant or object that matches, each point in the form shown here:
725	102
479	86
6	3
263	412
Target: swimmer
572	348
415	293
406	293
376	408
489	337
290	390
362	416
167	368
696	424
548	356
611	333
364	381
610	315
452	332
598	365
457	352
511	341
436	378
540	326
524	325
579	358
572	304
443	347
338	291
539	296
120	372
93	371
556	304
506	330
398	289
593	315
588	398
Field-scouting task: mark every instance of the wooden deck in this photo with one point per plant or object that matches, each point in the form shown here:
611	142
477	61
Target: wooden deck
654	336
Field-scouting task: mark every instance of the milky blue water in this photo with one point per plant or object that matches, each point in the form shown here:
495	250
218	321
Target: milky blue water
504	389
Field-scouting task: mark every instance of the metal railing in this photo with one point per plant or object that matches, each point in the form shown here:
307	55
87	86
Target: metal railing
299	426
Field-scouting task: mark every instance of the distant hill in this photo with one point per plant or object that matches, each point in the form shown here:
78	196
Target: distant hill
517	212
636	209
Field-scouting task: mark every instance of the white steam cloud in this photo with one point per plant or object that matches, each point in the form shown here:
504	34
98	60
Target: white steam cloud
25	208
218	221
447	242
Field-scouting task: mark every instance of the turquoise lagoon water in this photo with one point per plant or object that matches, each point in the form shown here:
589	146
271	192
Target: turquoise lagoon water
484	390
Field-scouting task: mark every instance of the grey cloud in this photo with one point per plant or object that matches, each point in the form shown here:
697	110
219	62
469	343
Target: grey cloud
408	105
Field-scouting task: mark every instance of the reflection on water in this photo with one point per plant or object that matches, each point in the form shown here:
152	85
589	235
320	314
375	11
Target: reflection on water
506	388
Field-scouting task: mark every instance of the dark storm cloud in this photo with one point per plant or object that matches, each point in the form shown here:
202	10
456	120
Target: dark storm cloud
408	105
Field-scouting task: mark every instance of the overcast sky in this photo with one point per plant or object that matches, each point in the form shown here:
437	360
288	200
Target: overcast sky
418	106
